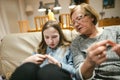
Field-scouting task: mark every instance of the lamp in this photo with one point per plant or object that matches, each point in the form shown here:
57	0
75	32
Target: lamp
77	2
57	5
29	8
102	13
72	4
41	7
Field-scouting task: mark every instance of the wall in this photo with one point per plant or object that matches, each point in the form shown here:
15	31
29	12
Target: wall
35	5
14	10
8	17
97	4
10	14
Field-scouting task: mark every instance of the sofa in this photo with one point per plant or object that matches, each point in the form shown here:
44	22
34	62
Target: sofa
14	48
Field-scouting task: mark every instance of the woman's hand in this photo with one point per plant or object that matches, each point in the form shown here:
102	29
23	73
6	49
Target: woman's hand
97	53
37	58
115	47
53	60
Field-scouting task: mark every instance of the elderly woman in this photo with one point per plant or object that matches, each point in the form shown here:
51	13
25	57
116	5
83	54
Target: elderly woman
96	53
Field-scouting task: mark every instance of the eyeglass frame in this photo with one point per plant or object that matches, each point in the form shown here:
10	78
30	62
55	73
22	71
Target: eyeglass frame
78	19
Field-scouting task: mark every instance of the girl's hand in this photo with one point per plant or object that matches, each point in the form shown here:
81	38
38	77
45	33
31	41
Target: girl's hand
53	60
37	58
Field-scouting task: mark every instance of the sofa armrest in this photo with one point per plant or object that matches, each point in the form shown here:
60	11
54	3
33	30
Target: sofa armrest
15	48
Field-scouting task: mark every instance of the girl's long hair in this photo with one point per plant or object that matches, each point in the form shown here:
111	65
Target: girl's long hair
63	41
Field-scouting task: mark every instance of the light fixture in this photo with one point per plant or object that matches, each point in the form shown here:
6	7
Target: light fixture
41	7
29	8
72	4
102	13
57	5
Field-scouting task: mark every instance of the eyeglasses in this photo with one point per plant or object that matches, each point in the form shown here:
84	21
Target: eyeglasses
78	19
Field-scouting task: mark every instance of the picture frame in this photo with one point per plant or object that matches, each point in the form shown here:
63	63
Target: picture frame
108	4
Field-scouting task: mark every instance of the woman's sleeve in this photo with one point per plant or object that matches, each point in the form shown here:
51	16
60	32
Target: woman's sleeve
78	58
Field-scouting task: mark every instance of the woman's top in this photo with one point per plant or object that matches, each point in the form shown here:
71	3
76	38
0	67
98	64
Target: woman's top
64	56
109	70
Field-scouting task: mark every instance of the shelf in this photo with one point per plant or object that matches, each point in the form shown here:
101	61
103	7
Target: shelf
109	22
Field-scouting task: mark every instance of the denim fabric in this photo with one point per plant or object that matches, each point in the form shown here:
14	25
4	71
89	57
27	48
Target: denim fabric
64	56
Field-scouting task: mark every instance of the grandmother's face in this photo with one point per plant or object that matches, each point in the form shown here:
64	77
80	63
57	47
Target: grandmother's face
81	21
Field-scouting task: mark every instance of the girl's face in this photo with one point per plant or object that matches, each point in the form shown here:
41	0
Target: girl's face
51	37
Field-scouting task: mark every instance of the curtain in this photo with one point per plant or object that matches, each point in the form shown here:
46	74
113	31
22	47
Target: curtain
3	22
